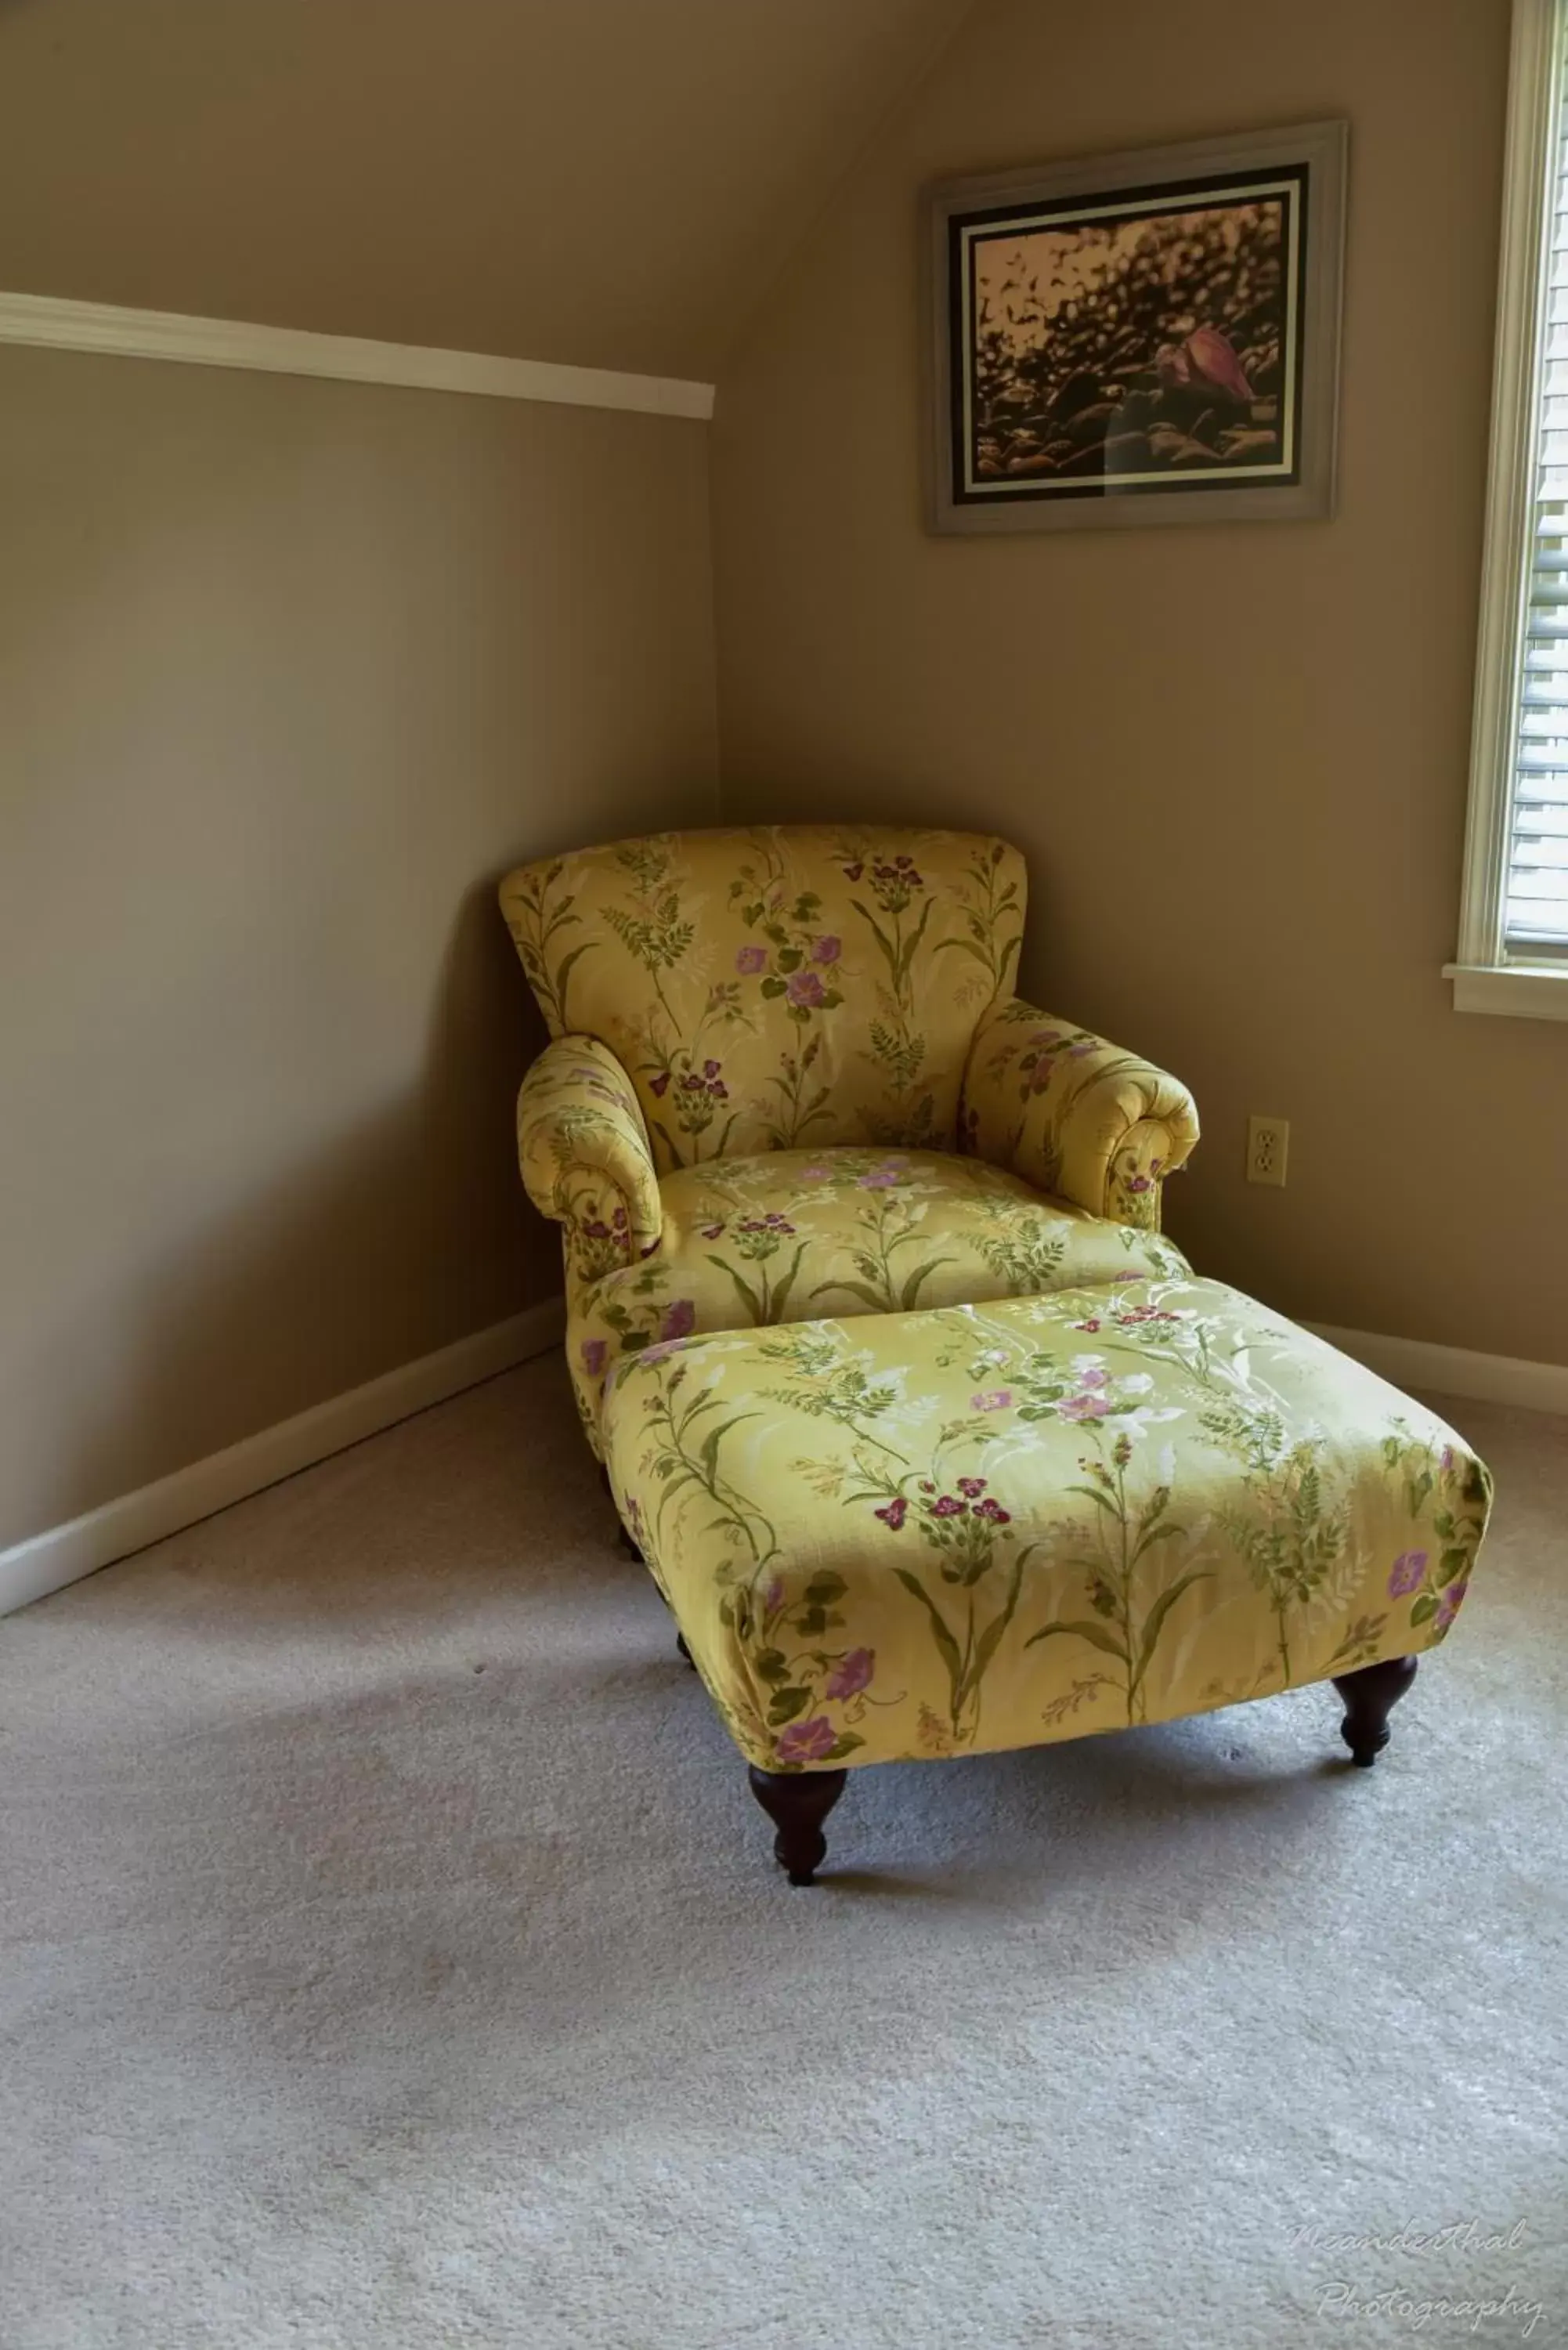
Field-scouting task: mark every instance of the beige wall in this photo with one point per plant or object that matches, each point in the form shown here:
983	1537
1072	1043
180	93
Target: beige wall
289	672
604	181
1236	756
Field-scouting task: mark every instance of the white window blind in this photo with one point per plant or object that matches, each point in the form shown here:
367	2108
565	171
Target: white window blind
1535	879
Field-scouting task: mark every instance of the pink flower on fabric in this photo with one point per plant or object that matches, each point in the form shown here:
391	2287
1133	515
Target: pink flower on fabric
1449	1605
806	1742
680	1319
1085	1407
816	1174
853	872
993	1510
661	1084
773	1598
713	1231
595	1354
751	959
1091	1325
851	1674
972	1486
897	1511
805	987
998	1400
1406	1573
947	1505
828	948
881	1178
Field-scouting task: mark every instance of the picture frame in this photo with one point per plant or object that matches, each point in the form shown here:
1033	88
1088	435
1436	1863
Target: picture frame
1149	337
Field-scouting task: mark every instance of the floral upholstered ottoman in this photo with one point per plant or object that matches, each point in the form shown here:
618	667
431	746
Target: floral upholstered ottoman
934	1534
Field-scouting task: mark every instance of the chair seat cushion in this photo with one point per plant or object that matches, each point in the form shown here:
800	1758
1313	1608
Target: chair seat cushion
790	1235
996	1525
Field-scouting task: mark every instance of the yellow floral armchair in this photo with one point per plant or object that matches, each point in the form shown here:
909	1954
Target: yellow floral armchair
788	1079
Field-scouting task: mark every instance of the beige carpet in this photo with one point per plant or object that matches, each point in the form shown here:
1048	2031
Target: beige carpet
393	1958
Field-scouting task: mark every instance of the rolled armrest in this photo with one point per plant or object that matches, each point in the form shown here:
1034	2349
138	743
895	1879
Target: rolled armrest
1074	1115
582	1145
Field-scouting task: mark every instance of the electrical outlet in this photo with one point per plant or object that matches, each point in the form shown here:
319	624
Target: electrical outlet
1268	1146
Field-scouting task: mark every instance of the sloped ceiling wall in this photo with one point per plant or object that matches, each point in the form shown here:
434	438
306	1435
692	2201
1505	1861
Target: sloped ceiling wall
608	182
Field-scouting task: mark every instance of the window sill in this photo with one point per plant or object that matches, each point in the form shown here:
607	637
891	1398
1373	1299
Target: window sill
1517	991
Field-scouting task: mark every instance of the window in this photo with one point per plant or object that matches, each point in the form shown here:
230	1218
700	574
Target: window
1513	935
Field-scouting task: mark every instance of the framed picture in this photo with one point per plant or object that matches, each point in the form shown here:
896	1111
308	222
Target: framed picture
1138	338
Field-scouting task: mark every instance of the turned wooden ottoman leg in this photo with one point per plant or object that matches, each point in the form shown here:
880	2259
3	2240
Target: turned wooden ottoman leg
797	1801
1370	1697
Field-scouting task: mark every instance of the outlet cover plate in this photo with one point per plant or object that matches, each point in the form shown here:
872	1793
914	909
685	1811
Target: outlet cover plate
1268	1149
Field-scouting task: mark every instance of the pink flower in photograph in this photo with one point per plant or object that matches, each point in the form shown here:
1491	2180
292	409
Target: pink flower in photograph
828	948
1406	1573
851	1674
994	1399
680	1319
804	987
897	1511
751	959
806	1742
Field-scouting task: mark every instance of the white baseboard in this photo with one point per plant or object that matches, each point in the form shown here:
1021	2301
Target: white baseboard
48	1561
1454	1370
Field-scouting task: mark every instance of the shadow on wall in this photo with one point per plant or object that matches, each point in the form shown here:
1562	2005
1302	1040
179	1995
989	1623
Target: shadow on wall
406	1229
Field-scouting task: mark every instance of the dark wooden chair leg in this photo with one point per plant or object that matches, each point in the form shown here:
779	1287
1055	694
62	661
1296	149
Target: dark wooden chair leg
797	1801
1370	1697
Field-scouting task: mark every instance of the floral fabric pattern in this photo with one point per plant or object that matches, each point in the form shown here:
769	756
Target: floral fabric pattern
583	1150
788	1079
792	1235
996	1524
778	986
1075	1115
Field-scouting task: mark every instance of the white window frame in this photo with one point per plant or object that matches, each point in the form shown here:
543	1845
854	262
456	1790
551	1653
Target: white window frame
1486	977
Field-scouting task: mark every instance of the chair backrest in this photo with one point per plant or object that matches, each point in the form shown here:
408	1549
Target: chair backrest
781	986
